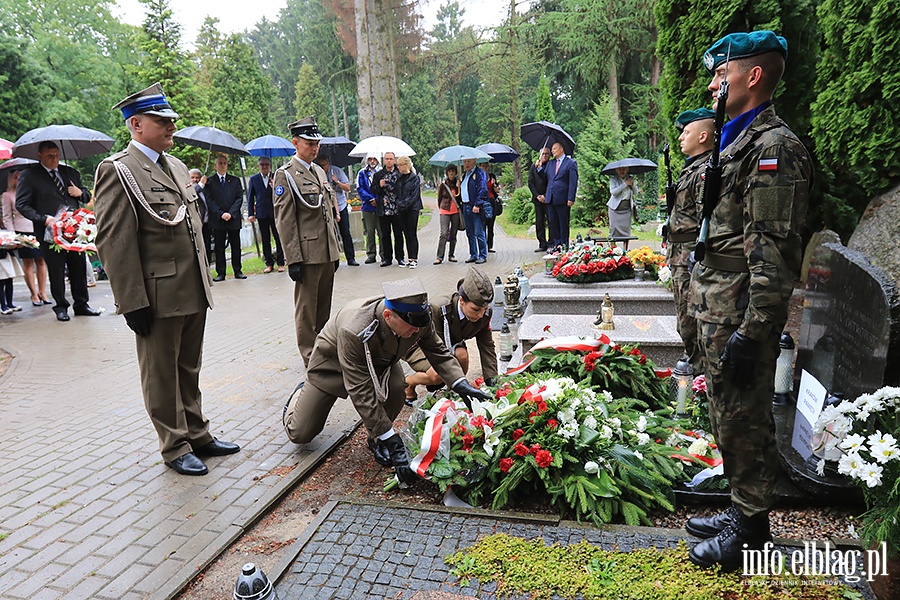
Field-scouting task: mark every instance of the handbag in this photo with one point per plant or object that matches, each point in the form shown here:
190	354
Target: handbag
459	208
487	209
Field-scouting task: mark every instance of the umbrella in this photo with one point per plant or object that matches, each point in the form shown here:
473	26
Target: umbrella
380	144
453	155
500	153
636	166
542	134
338	150
73	141
6	148
210	138
17	164
270	146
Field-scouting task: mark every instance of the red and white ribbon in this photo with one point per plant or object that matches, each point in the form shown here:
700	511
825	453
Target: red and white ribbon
572	343
431	438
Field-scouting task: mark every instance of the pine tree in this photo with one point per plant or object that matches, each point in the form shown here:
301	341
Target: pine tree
309	95
21	81
544	102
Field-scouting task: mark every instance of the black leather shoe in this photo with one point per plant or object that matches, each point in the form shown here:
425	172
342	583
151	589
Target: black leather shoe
219	278
62	315
727	548
435	387
386	263
471	260
188	464
217	448
711	526
541	250
352	263
86	311
480	261
382	456
370	260
240	276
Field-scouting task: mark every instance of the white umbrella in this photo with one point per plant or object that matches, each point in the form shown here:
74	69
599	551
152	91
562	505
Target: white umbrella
380	144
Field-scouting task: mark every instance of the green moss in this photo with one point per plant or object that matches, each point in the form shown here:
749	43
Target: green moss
582	570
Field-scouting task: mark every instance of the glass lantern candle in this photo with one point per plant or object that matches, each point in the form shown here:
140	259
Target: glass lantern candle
638	271
549	263
680	385
505	343
784	371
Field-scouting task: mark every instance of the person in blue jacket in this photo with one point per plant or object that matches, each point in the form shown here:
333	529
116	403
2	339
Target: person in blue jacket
369	216
474	197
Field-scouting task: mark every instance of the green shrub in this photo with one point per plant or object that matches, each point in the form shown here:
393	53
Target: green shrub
520	207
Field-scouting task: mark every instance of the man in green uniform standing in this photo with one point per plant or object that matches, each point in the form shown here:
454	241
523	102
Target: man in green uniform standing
696	140
740	290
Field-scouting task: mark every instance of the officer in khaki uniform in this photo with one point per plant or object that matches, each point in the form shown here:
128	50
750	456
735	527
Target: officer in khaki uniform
696	127
357	354
304	218
740	291
462	316
149	239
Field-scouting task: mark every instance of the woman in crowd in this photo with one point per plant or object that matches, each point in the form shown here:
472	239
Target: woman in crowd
494	195
622	203
451	217
409	204
30	257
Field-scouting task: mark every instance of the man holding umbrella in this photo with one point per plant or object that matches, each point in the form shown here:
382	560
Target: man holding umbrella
44	191
562	183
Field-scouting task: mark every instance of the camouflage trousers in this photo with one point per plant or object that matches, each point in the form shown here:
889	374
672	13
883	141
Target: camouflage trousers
685	323
742	421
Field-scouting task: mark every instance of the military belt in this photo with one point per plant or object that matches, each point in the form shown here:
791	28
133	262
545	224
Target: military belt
725	262
680	238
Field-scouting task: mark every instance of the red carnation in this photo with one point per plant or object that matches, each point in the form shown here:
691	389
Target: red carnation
546	329
635	352
552	423
468	440
643	359
541	407
535	448
517	434
543	459
479	382
520	450
506	464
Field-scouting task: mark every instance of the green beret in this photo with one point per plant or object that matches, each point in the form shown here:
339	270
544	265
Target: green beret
689	116
743	45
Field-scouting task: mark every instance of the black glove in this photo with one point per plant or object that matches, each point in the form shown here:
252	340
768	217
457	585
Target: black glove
467	391
140	320
295	272
739	359
400	459
489	381
337	263
692	261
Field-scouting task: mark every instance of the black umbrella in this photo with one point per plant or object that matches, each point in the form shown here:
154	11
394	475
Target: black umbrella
543	134
499	153
13	164
210	138
73	141
338	150
636	166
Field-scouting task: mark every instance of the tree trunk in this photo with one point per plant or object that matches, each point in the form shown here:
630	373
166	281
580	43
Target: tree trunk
455	115
364	55
612	83
376	74
655	68
515	117
334	113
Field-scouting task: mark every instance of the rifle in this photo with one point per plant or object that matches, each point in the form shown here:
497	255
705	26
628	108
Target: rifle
670	194
713	178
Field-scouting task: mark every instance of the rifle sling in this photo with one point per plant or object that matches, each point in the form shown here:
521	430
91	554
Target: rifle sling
725	262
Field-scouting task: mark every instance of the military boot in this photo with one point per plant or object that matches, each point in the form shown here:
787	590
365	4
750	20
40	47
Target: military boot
707	527
726	549
382	455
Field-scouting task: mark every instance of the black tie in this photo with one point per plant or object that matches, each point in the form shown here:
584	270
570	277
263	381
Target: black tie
222	179
58	182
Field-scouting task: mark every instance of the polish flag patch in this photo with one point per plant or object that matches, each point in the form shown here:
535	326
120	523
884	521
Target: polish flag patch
768	164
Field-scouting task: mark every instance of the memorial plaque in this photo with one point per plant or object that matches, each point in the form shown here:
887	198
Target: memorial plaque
850	330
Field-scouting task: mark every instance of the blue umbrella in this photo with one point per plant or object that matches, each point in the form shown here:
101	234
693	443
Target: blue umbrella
453	155
270	146
500	153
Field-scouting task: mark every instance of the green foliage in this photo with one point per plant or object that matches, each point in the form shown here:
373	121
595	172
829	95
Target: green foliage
309	95
544	102
520	207
427	123
531	568
21	81
601	142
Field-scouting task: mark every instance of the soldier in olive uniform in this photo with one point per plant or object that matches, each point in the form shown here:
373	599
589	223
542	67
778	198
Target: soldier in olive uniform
696	139
149	239
462	316
304	217
358	355
740	291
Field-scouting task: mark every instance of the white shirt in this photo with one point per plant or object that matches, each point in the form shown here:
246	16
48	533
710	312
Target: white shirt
152	154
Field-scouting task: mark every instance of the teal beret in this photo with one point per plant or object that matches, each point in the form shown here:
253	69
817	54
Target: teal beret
743	45
689	116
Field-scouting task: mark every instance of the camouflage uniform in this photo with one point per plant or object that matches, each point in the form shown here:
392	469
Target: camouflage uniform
684	223
744	284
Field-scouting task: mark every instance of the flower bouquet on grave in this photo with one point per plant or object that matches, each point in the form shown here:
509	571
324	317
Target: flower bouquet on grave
651	260
664	277
591	454
74	231
589	264
701	457
10	240
865	432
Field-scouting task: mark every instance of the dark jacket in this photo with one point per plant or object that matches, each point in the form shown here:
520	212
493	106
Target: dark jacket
448	194
379	191
478	192
561	186
224	199
37	196
259	197
409	192
537	181
365	190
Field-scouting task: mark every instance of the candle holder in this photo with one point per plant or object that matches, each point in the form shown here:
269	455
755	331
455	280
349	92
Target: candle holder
604	320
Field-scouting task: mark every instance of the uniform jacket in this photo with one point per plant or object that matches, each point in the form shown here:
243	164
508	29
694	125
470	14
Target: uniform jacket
758	217
338	362
537	181
464	329
37	196
619	192
150	264
221	199
308	235
409	192
364	189
686	214
259	197
562	184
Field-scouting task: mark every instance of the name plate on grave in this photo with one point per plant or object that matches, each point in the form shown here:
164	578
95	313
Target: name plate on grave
810	400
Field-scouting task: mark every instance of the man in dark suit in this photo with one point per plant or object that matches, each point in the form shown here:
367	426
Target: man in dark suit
44	191
562	182
224	197
261	210
198	182
537	183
